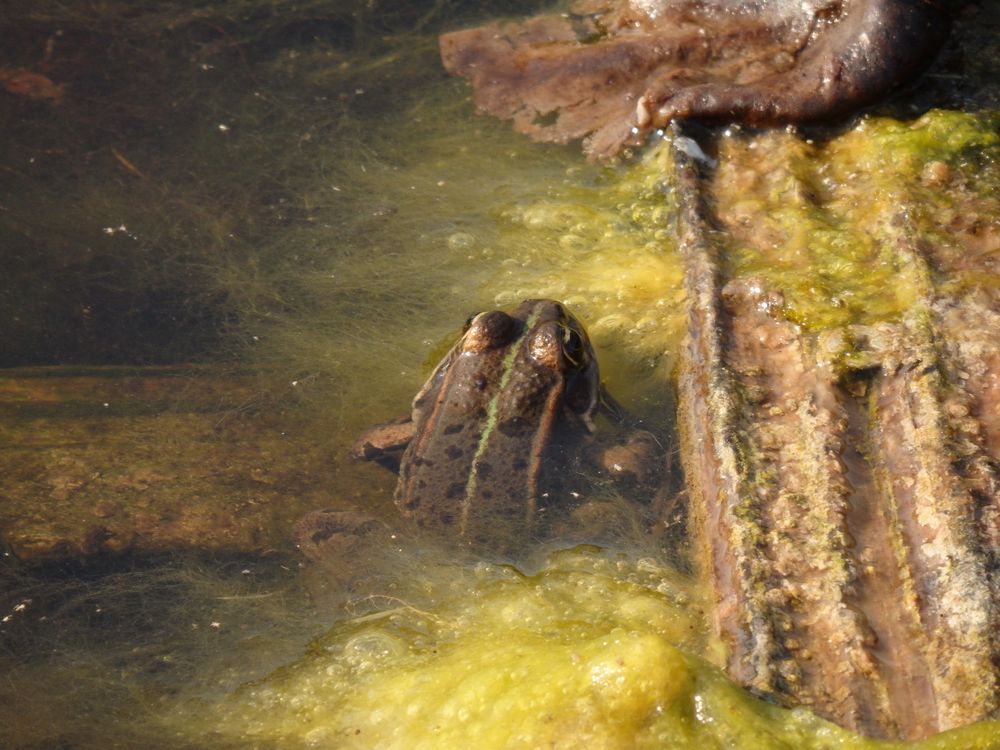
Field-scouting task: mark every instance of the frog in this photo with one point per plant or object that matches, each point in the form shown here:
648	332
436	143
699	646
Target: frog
511	407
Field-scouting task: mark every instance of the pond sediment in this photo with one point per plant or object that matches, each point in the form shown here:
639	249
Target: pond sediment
109	460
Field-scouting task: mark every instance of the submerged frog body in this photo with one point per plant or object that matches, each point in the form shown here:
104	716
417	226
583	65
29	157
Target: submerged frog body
510	402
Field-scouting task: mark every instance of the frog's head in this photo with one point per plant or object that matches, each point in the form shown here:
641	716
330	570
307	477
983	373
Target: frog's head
556	341
541	337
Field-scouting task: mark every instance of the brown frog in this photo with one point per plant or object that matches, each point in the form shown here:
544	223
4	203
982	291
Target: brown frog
500	418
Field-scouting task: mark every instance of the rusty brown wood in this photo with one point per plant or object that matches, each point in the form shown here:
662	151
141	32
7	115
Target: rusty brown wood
846	515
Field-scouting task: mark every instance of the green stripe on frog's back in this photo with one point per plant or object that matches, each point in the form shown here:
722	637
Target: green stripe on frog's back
487	416
450	415
489	429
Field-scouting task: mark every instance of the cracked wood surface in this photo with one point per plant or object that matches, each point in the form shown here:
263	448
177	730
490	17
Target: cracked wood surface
846	514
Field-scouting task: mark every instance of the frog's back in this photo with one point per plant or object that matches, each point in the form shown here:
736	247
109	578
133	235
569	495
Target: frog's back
486	421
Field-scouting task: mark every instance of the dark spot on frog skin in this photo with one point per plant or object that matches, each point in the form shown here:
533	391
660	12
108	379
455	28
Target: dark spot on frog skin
457	489
331	534
519	464
452	429
322	535
514	427
453	452
484	469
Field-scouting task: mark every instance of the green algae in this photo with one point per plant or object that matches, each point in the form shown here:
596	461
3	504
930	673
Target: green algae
594	650
898	152
501	667
818	220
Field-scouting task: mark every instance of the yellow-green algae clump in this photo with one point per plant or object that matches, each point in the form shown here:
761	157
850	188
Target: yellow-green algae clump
593	651
818	220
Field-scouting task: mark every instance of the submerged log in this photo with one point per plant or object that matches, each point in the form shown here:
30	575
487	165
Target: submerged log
845	508
612	71
110	460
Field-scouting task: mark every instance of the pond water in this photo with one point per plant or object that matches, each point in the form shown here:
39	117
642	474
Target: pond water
294	195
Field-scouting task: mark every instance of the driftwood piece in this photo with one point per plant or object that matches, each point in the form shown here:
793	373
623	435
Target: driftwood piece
846	515
612	71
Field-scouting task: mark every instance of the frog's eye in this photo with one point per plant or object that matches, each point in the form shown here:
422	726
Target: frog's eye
573	347
489	330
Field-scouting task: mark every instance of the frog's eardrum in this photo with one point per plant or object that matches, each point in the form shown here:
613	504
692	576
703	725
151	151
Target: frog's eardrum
611	71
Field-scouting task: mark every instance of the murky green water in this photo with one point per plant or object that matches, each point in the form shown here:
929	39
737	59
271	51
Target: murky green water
294	192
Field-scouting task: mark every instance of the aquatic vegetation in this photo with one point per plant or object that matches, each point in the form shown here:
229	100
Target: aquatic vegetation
523	659
593	650
808	217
